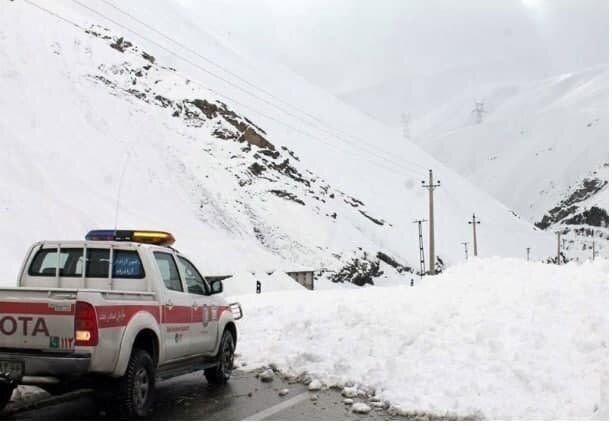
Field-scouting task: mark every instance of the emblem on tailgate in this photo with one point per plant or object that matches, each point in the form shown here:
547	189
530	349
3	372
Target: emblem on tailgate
10	325
60	307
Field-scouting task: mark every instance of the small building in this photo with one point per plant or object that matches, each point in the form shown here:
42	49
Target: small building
304	277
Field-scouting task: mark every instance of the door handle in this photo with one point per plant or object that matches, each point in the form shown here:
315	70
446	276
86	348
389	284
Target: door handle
195	305
169	304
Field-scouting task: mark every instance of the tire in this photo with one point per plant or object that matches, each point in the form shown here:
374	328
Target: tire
137	386
222	372
6	391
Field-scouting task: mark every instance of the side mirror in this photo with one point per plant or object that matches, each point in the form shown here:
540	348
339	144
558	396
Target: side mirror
217	287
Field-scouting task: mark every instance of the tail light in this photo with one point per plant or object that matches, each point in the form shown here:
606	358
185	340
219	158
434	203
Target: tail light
85	325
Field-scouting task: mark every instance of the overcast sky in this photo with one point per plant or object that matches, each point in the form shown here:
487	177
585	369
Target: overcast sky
346	45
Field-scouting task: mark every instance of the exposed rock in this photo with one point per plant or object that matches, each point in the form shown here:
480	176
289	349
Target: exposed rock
566	208
163	101
269	153
347	401
288	170
148	57
359	271
379	222
291	153
283	392
287	196
392	262
256	168
593	217
120	44
254	138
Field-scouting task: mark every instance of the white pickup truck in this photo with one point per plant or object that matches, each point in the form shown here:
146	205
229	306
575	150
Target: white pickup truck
116	313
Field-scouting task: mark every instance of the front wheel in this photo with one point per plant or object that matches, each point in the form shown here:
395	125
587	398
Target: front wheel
222	372
137	386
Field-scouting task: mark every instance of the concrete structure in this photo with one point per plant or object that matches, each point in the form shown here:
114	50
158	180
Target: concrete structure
304	277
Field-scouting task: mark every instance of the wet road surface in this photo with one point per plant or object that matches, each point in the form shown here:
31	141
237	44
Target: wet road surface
190	397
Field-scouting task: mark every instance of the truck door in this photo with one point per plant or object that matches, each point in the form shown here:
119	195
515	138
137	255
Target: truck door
176	309
204	308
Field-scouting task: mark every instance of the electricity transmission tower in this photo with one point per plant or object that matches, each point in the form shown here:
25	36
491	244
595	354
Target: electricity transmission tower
465	248
479	110
421	250
474	222
406	119
432	251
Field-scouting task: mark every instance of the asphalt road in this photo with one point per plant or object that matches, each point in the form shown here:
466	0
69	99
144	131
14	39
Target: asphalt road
190	397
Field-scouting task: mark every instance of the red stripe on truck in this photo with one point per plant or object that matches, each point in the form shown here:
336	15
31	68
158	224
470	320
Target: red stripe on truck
36	308
120	315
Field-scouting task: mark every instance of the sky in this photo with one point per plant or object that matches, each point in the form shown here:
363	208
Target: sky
347	45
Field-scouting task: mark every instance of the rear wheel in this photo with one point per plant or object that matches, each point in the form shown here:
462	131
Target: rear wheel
137	386
6	391
222	372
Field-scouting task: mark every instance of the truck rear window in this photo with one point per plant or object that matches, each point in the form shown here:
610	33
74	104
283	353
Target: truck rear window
126	263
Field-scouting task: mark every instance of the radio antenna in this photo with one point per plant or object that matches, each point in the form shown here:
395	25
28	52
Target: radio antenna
127	158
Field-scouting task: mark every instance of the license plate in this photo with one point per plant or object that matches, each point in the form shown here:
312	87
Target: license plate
11	368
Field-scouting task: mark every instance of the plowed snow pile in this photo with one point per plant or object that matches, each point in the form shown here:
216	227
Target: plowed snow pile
497	337
246	283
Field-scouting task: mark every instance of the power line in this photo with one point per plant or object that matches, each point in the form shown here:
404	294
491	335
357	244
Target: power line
250	93
400	169
214	63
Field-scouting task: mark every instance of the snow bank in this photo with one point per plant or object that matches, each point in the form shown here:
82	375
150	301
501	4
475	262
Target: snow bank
497	337
245	283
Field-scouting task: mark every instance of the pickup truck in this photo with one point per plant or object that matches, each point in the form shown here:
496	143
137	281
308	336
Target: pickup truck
115	312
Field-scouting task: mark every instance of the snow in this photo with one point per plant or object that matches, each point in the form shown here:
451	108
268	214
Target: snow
315	385
361	408
535	140
246	283
69	138
496	337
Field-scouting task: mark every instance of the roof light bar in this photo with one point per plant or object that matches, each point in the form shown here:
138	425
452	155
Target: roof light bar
147	237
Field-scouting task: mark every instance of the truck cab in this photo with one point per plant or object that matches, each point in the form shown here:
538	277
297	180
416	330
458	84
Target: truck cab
120	309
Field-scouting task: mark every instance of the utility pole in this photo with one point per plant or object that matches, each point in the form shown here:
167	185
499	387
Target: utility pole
465	247
421	250
528	250
558	247
432	251
474	222
593	249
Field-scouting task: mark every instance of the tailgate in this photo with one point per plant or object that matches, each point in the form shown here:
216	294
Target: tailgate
40	319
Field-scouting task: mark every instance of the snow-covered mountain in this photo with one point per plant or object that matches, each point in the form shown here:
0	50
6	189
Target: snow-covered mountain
531	145
106	122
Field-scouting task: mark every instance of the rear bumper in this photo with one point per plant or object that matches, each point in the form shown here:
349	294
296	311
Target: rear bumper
50	365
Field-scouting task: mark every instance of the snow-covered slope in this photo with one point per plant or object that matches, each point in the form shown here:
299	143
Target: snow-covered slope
532	147
101	126
535	140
